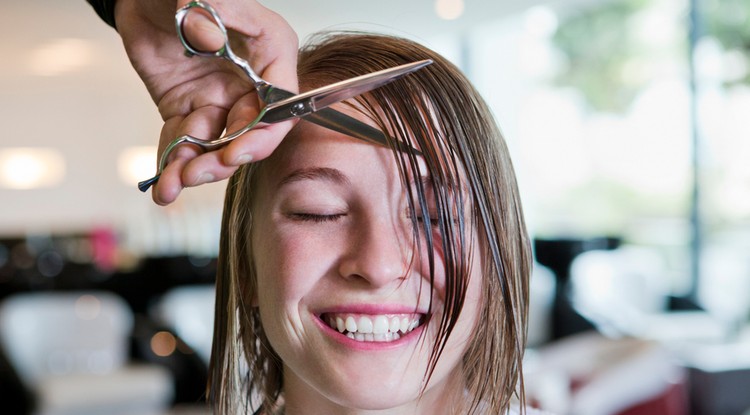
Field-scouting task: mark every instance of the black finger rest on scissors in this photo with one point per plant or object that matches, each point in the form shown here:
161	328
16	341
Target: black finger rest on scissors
146	184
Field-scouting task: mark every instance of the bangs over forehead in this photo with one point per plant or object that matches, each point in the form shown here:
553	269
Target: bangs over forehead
428	110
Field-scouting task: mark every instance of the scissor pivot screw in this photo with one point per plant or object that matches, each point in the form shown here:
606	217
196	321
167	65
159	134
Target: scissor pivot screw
298	109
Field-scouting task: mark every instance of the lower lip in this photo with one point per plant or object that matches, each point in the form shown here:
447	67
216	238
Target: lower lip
369	346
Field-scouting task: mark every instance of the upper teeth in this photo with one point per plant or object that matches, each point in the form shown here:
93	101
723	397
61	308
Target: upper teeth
373	328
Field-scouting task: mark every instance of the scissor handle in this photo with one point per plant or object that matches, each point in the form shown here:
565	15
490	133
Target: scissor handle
225	51
180	17
205	145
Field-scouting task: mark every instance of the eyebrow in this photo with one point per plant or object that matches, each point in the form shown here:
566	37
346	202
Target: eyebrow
429	185
315	173
426	181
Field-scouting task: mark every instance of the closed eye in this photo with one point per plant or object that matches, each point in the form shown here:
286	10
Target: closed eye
433	218
315	217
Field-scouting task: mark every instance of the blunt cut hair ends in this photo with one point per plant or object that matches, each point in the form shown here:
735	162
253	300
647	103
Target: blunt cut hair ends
437	111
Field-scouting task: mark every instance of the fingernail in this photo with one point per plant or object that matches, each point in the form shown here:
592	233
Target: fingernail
243	159
204	178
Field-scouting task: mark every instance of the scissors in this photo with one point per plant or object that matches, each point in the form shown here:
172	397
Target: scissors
282	105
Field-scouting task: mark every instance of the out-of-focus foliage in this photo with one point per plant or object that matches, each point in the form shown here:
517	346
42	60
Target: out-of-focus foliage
729	22
609	56
596	45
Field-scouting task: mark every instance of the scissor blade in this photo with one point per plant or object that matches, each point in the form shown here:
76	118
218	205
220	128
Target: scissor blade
336	121
317	99
343	123
352	87
340	122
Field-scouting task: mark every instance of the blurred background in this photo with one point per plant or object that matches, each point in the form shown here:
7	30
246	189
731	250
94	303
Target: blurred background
629	124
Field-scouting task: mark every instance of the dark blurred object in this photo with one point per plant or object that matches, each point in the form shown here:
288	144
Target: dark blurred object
47	263
188	312
15	397
155	276
76	262
155	344
557	254
720	392
682	304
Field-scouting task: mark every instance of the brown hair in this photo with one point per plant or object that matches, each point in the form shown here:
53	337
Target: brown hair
437	110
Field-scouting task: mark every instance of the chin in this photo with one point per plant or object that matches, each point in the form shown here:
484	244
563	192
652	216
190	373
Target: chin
376	398
369	390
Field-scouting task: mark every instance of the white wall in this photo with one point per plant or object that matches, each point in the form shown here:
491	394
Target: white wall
89	113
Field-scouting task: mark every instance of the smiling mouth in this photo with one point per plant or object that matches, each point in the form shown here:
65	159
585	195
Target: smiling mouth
372	328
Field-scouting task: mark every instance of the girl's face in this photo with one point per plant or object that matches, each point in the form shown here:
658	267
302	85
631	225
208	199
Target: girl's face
343	296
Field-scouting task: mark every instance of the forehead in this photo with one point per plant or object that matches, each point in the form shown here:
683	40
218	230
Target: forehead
311	146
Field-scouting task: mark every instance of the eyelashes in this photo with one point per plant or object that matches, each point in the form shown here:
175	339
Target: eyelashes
433	219
323	218
315	217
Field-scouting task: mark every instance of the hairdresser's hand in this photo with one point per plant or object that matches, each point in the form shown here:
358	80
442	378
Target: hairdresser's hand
203	96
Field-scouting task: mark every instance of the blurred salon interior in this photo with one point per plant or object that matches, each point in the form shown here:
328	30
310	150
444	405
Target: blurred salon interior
629	125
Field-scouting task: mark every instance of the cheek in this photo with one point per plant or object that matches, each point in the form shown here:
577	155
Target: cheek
473	303
474	291
438	268
440	265
465	328
288	264
475	288
279	288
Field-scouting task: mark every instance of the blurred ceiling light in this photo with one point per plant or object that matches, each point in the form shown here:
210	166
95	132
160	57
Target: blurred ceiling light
136	163
449	9
29	168
60	56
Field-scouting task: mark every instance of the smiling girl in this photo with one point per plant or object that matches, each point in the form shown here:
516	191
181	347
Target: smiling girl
358	278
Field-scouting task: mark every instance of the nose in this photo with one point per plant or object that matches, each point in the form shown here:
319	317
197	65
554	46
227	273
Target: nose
378	253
